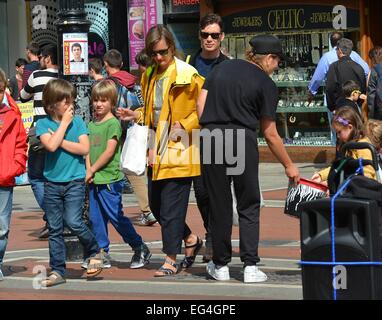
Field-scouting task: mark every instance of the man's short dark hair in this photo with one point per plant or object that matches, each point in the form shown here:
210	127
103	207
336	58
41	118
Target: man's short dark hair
20	62
34	48
348	87
335	37
346	46
76	45
96	65
50	50
209	19
113	58
143	59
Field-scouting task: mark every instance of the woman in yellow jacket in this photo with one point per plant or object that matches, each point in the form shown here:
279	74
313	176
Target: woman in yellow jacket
170	89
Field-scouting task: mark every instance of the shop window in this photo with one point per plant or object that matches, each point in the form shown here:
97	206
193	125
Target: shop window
304	31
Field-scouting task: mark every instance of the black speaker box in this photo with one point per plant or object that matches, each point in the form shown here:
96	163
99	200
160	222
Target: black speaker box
358	239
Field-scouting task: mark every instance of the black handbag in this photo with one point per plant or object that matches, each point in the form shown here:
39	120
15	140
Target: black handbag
34	143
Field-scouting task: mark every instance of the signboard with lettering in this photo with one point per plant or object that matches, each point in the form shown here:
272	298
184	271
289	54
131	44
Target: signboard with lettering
287	18
184	6
26	110
97	47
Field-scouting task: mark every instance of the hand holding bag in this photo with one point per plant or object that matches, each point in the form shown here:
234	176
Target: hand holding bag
134	151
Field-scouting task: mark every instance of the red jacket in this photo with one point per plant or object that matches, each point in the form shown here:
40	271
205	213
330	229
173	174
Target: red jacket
13	145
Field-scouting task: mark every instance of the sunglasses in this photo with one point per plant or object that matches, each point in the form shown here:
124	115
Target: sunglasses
356	92
214	35
162	53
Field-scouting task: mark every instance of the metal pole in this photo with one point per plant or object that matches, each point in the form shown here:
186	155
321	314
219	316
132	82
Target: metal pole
72	32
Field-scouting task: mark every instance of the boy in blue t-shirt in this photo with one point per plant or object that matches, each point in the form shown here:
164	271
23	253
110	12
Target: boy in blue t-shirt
65	138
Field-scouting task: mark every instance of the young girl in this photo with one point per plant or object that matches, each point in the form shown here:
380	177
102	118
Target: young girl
349	127
106	179
65	138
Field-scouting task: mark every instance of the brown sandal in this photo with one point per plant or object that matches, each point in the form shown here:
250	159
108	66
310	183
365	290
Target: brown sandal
53	279
94	267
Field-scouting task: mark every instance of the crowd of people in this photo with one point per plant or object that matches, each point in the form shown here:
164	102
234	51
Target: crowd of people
71	162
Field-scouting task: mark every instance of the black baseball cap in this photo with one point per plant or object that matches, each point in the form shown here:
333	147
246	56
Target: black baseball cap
266	44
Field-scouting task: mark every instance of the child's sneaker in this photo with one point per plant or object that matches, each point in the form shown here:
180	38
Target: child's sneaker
106	260
84	264
220	273
141	257
147	219
253	274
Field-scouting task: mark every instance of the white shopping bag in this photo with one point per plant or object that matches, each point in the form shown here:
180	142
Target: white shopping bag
235	218
134	151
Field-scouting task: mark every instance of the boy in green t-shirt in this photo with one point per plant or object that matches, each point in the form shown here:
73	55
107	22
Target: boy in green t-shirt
106	179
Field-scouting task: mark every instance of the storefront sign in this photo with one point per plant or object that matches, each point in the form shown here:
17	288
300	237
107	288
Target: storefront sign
184	6
287	18
75	46
97	47
142	16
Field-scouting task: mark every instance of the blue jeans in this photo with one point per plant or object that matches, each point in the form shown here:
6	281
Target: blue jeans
6	196
105	204
36	162
63	203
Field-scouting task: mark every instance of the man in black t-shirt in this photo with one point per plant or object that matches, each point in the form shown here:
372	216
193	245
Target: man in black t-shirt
211	35
237	97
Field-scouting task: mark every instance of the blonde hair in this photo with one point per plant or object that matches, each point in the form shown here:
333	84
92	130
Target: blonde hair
374	132
55	91
105	89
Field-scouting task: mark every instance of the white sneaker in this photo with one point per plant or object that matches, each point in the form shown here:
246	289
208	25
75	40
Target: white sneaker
254	274
220	273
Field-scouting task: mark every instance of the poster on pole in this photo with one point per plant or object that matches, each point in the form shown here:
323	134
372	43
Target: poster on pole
75	55
142	15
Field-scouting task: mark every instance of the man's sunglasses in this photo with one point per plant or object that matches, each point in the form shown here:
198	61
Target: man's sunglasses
162	53
214	35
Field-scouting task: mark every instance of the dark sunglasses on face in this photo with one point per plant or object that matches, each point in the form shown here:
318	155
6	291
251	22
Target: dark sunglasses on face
162	53
214	35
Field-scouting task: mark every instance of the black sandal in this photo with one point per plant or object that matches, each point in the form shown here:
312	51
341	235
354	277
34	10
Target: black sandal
189	261
165	272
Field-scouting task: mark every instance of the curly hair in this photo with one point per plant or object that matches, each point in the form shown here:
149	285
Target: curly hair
373	129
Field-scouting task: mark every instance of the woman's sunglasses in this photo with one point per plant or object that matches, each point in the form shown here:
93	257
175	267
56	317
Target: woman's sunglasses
214	35
162	53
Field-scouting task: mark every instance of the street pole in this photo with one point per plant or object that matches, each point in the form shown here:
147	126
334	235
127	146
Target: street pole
72	30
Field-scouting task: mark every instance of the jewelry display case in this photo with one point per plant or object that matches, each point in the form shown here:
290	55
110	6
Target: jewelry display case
300	122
